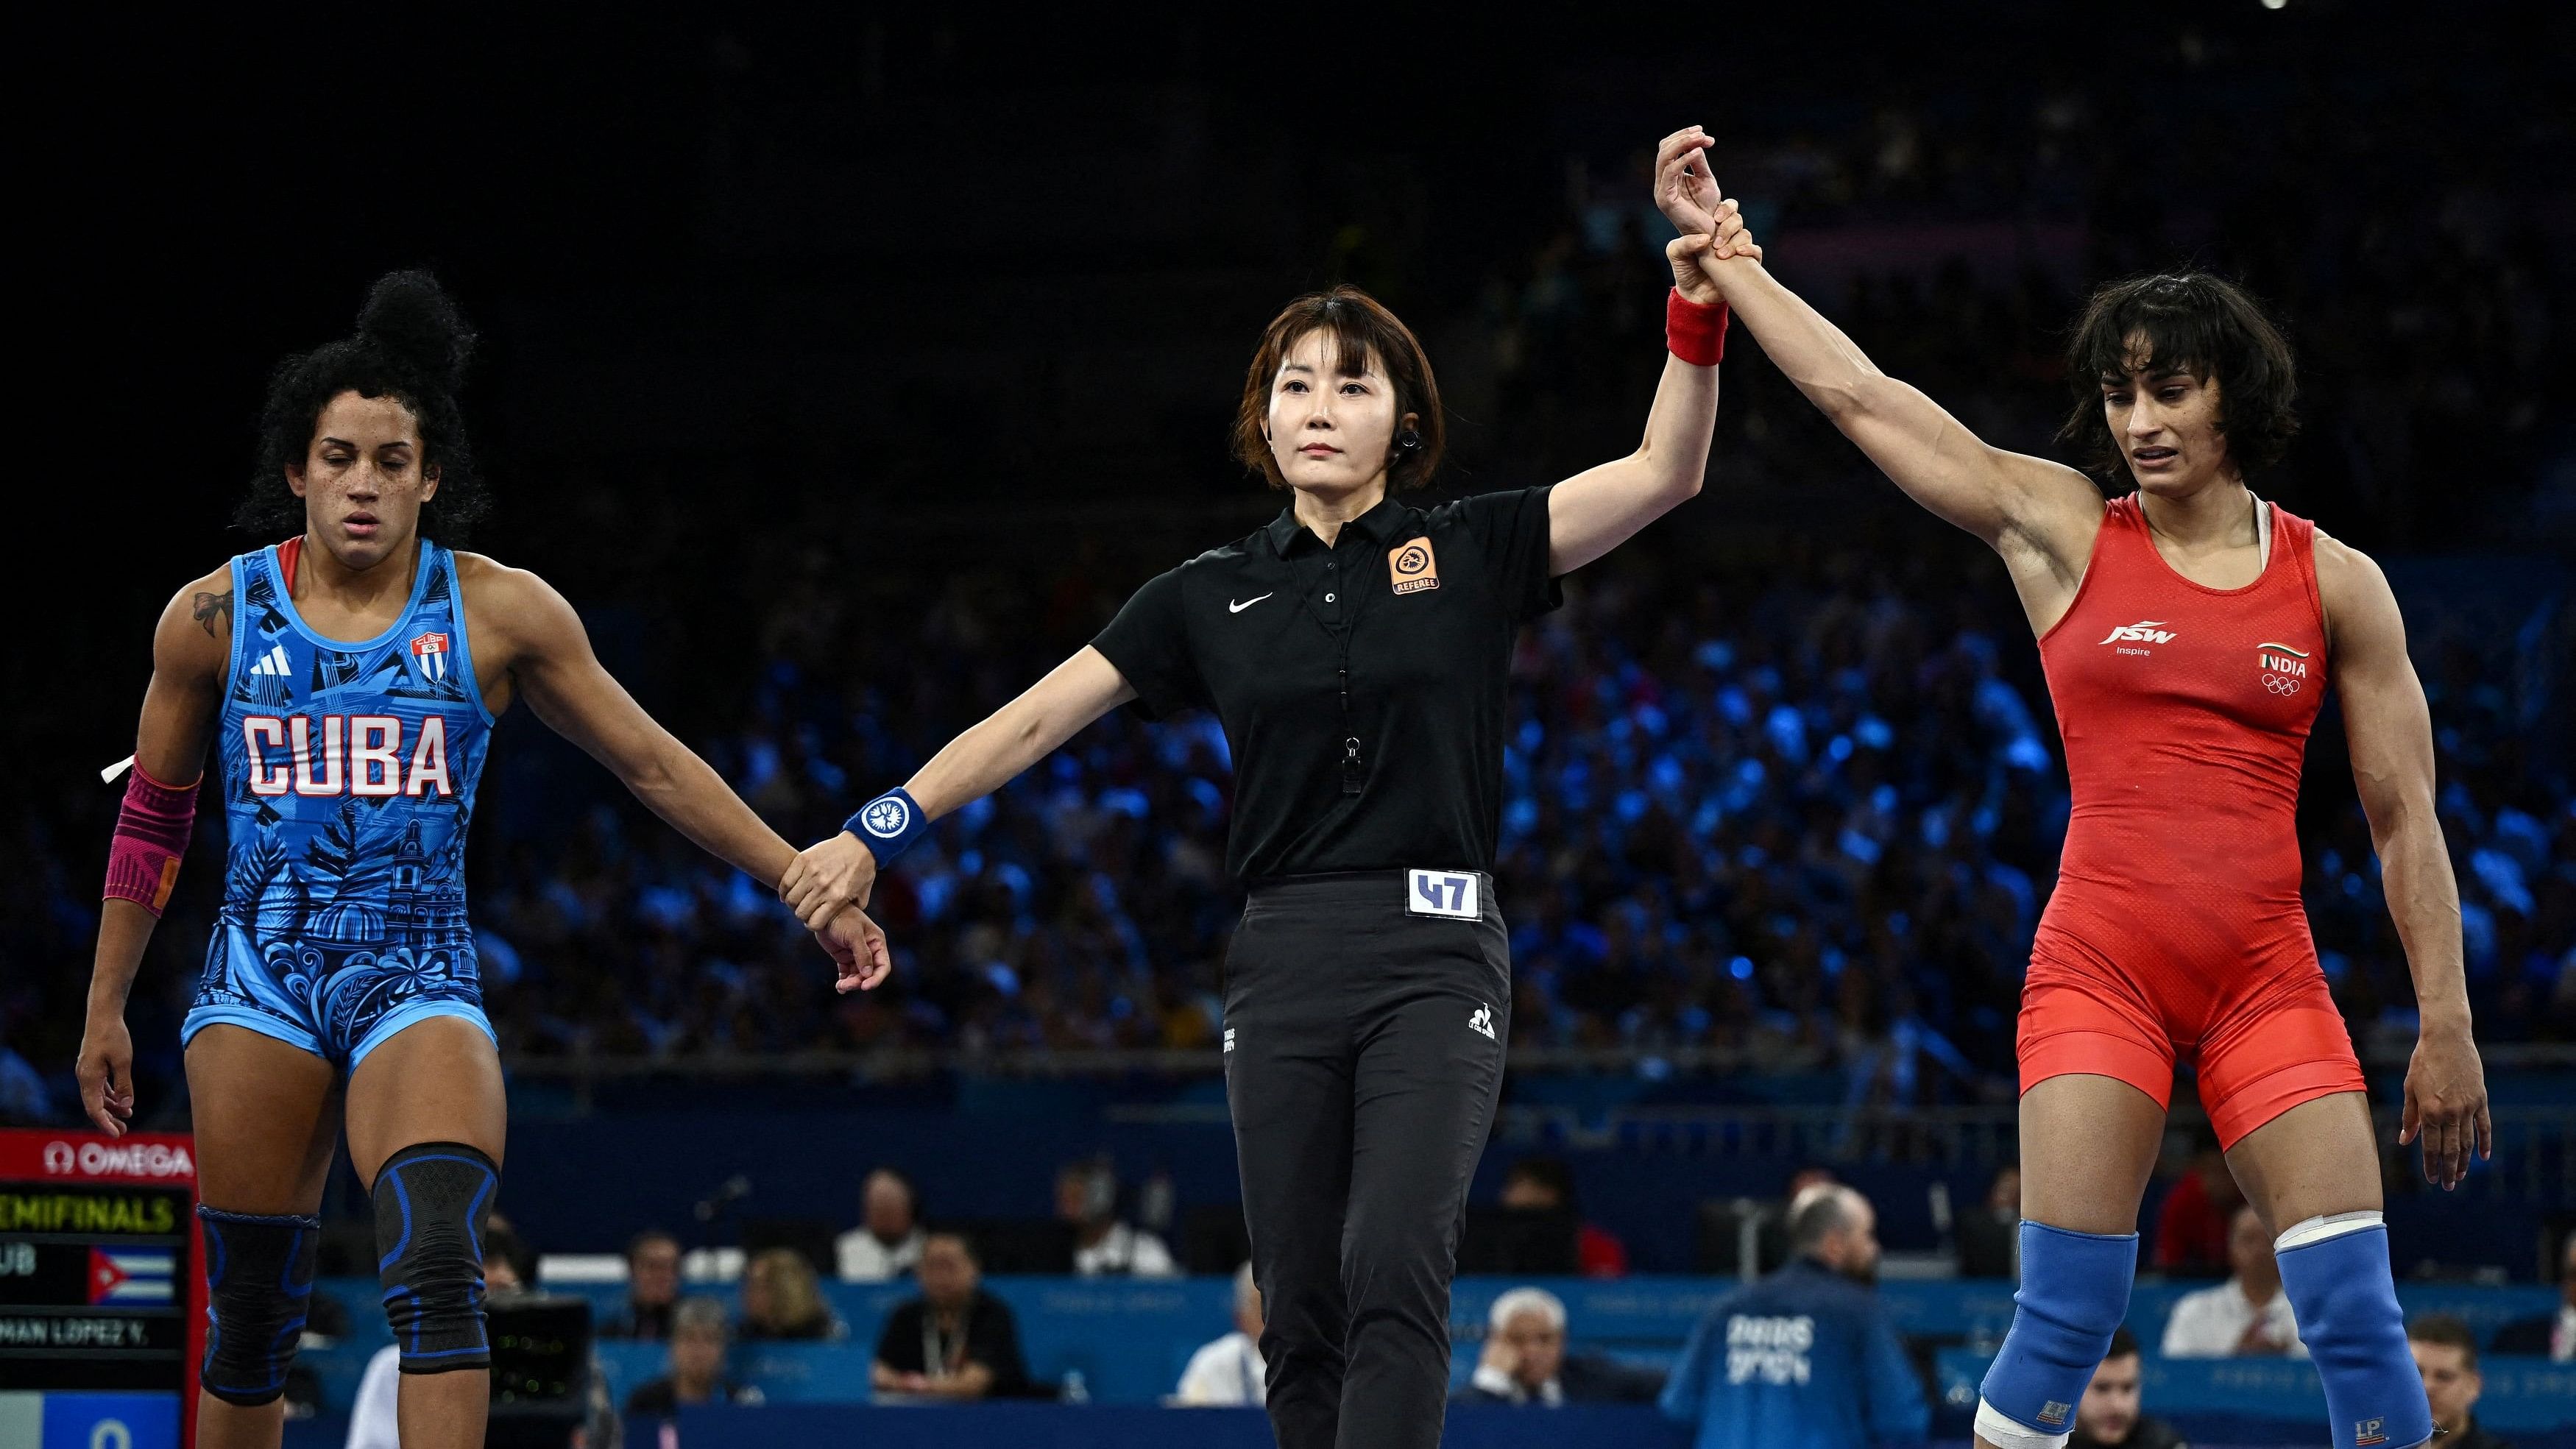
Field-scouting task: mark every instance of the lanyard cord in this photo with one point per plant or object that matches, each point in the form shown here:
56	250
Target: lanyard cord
1354	769
936	1349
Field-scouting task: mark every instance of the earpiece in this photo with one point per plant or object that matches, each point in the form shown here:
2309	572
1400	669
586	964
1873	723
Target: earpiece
1408	440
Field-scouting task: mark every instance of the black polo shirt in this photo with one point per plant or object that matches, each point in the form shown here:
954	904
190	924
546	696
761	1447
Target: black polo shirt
1421	607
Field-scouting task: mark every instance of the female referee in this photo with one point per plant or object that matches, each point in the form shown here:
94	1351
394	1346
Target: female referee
2189	630
350	676
1356	652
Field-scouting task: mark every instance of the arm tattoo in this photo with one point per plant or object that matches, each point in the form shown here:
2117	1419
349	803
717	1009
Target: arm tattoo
208	606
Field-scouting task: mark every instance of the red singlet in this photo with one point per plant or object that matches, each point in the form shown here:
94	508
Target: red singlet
2176	928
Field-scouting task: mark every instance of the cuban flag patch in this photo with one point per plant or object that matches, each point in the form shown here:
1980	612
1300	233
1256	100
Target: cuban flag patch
429	651
129	1277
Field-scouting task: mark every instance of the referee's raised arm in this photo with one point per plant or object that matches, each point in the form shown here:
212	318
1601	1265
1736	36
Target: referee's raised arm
1602	507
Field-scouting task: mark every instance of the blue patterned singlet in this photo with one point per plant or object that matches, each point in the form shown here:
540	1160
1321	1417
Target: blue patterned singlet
348	778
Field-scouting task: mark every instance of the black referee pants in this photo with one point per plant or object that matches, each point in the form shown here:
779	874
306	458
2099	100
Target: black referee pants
1363	1058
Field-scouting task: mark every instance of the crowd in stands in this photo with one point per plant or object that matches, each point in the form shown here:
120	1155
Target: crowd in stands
1808	1338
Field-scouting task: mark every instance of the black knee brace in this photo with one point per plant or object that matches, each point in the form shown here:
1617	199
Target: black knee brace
259	1280
431	1201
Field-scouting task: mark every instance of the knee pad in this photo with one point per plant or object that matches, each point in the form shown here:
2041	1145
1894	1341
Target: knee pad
259	1281
2335	1270
2074	1292
431	1202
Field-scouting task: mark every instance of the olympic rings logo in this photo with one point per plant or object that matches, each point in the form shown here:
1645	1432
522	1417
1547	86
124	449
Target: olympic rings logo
886	818
2280	684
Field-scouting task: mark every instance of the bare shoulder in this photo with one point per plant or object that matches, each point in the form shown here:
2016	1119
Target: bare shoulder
512	594
2347	564
196	626
485	577
2345	574
512	605
2359	605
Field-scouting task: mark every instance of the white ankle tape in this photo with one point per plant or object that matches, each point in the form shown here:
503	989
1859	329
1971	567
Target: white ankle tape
2003	1433
2317	1230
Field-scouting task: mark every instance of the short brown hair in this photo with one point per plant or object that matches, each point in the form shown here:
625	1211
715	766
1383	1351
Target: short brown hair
2190	322
1362	329
2448	1332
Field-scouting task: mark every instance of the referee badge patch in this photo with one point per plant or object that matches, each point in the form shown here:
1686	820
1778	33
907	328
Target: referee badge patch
1443	893
1412	566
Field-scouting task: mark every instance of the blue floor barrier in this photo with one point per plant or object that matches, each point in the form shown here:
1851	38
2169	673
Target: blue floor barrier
1051	1426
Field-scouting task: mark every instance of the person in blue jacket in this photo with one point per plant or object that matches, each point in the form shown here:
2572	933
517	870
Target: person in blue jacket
1806	1358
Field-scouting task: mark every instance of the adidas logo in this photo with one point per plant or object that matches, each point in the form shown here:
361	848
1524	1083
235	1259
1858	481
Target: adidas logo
272	662
2142	632
1482	1021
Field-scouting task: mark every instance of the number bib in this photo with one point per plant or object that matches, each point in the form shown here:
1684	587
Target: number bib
1443	893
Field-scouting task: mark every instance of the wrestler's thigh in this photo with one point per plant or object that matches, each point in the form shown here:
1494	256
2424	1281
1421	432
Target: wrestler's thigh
2314	1160
436	1080
266	1115
2088	1144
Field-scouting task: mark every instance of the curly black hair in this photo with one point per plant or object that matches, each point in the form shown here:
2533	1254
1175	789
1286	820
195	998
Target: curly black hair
2193	322
412	346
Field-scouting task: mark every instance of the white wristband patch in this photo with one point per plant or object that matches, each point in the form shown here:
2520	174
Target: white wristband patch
2317	1230
2003	1433
1443	893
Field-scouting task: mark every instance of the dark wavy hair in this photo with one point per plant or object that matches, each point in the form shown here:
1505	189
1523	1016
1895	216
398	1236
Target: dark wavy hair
412	346
2190	322
1362	329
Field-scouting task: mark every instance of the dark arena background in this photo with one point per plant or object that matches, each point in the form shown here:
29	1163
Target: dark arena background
848	374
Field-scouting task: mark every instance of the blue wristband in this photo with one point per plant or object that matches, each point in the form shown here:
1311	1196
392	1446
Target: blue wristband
889	824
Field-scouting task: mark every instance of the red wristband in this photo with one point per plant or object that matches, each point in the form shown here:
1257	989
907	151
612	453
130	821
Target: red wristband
151	835
1695	332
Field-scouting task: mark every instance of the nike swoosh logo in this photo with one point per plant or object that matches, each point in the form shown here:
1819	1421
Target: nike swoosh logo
1232	607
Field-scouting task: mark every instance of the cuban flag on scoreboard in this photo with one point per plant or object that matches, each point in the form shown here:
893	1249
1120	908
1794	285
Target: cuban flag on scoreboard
130	1277
429	651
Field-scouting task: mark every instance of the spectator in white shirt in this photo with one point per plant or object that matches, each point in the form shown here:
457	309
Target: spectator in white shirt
1524	1361
1230	1371
1086	1195
372	1420
887	1242
2246	1316
2551	1335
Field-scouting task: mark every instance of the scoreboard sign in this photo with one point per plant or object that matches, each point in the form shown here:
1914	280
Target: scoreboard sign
102	1310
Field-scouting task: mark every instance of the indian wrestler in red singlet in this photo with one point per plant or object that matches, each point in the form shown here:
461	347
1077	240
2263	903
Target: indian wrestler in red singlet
2189	631
2176	930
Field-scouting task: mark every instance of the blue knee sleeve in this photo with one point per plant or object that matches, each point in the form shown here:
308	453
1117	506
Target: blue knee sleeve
259	1280
2074	1292
431	1202
2336	1273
